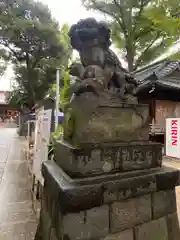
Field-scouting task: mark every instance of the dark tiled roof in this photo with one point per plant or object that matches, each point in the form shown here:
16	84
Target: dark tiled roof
167	83
157	74
168	69
160	69
144	73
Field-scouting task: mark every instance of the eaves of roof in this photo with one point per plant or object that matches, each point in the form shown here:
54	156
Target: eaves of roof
145	72
162	84
160	70
168	84
143	86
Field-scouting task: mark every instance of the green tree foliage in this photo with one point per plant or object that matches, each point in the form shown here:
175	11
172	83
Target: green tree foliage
64	73
17	97
63	66
64	91
65	41
32	39
143	29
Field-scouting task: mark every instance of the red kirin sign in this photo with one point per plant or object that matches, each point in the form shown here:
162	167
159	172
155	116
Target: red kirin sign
174	132
173	137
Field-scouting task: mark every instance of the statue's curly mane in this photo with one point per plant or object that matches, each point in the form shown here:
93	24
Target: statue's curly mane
87	30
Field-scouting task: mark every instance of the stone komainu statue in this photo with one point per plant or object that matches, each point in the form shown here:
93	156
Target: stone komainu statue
105	181
101	83
92	40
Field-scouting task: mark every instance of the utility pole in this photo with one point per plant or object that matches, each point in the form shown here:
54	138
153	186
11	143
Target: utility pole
57	95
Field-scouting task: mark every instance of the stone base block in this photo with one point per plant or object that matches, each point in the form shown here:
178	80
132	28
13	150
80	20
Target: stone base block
93	119
118	206
95	159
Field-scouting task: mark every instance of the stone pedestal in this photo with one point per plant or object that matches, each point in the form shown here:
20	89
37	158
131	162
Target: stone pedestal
104	189
136	205
98	159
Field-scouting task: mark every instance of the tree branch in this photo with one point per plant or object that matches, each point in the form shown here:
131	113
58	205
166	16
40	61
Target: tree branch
127	29
36	62
99	8
29	69
37	58
27	60
146	50
19	58
124	28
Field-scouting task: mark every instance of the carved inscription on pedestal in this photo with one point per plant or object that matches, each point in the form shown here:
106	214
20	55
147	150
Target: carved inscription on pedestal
122	158
138	158
126	157
129	188
109	158
90	161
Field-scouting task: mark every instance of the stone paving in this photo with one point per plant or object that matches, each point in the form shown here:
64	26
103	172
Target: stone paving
17	218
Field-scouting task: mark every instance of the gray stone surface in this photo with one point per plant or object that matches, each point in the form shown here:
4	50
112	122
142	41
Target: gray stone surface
45	220
74	226
97	220
77	217
94	159
128	188
129	213
92	224
154	230
94	119
167	179
125	235
85	193
163	203
173	227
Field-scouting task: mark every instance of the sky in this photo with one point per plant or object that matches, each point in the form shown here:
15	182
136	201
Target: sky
65	11
69	11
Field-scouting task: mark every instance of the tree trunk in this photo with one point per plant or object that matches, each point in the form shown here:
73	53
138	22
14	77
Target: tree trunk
130	58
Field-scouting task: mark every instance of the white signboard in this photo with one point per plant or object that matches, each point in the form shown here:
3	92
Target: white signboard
42	136
173	137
